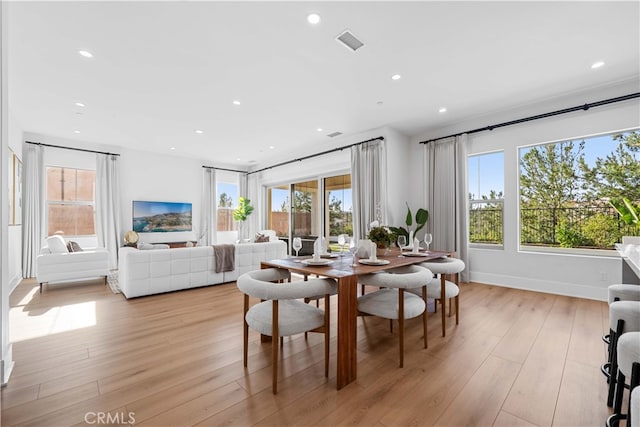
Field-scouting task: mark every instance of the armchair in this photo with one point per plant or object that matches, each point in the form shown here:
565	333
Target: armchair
56	264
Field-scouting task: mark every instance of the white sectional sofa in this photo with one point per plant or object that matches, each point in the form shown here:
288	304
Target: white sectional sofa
147	272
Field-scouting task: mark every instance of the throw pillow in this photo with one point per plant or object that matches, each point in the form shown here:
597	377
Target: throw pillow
57	245
261	238
73	246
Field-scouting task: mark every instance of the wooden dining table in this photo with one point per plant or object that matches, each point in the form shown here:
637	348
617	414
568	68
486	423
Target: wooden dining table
346	275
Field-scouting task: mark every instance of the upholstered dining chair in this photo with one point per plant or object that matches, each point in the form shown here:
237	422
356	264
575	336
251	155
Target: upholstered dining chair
628	352
620	292
392	302
281	313
445	267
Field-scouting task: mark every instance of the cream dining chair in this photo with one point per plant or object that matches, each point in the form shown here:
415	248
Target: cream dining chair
281	313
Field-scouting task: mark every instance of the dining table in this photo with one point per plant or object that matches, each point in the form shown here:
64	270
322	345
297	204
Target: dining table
345	271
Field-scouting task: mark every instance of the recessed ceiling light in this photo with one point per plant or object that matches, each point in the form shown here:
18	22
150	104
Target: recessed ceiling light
380	102
236	102
396	77
238	159
85	53
271	147
76	131
319	129
597	64
198	131
442	110
80	104
313	18
172	148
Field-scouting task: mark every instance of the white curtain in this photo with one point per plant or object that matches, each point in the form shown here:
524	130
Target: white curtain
253	194
208	215
33	231
446	183
369	185
108	205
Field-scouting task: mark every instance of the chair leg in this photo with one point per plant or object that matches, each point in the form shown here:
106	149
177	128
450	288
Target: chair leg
40	287
361	289
274	346
450	310
457	309
617	404
442	299
401	324
245	331
424	315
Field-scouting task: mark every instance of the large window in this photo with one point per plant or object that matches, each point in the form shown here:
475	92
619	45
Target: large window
566	186
227	202
311	208
338	207
71	201
486	194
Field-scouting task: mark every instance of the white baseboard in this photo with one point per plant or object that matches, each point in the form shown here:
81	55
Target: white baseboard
547	286
6	365
15	281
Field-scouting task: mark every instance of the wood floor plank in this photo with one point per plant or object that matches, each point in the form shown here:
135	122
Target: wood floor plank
579	402
176	359
505	419
476	404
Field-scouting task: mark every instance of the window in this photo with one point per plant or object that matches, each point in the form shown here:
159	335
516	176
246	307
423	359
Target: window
227	202
71	201
486	194
566	186
338	207
278	210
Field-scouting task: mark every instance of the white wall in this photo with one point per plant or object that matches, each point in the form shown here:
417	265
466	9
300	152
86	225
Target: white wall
584	276
162	178
14	265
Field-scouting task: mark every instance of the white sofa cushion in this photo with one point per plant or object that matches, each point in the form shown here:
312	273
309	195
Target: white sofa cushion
57	245
72	266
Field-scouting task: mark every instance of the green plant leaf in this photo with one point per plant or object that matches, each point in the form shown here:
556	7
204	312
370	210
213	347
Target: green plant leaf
422	216
400	231
626	210
409	219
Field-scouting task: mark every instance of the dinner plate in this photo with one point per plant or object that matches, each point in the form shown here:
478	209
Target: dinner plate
414	254
372	262
318	263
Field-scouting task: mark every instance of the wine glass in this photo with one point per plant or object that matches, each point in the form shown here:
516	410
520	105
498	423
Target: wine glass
341	242
427	240
402	242
353	248
297	245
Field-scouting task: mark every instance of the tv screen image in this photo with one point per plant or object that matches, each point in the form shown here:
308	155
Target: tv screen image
154	217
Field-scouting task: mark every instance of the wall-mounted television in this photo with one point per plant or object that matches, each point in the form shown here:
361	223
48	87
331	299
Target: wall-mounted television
161	217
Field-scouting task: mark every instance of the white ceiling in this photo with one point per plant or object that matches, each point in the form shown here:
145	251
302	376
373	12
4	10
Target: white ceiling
161	70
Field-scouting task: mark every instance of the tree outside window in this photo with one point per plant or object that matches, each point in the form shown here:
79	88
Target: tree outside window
565	189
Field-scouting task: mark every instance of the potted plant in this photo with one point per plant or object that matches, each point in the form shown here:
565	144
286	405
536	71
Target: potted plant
240	214
422	216
382	237
628	212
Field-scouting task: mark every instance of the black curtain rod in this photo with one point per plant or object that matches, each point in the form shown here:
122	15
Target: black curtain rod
315	155
584	107
223	169
71	148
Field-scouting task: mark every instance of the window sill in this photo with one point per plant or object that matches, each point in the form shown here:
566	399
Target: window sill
599	253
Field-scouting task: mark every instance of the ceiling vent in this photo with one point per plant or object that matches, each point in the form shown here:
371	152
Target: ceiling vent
349	40
334	134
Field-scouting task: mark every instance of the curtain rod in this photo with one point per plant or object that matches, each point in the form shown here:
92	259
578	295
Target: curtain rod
71	148
316	155
223	169
584	107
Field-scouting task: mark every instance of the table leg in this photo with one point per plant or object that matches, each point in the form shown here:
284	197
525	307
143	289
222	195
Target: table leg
347	316
443	301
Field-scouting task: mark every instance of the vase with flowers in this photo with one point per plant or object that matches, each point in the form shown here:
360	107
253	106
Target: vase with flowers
382	237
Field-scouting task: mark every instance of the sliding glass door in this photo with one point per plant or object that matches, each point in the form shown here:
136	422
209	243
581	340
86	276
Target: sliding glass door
338	208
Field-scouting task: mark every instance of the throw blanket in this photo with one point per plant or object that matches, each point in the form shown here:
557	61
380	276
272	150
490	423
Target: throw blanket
225	257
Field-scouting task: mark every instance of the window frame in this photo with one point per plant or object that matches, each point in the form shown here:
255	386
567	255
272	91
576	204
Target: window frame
532	249
471	202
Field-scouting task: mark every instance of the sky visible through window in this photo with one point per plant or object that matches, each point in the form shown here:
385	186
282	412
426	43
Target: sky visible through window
278	197
231	190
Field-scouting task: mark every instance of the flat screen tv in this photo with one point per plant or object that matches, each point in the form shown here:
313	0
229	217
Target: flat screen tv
161	217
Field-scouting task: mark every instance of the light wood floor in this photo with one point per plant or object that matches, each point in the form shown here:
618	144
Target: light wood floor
517	359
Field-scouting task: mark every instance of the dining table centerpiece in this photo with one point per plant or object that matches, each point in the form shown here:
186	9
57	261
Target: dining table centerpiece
382	237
